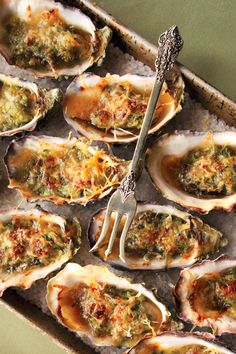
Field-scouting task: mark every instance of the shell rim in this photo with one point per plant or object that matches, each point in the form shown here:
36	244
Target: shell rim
108	138
8	153
188	206
177	290
121	266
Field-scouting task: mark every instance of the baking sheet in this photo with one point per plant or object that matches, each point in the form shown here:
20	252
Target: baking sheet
192	117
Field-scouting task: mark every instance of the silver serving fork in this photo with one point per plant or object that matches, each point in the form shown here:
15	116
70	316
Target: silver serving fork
123	201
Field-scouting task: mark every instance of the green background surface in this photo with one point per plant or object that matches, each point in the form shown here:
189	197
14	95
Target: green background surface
209	31
208	28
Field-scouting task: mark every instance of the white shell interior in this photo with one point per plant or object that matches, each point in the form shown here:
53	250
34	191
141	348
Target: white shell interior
72	16
73	274
25	279
90	81
178	145
42	108
183	291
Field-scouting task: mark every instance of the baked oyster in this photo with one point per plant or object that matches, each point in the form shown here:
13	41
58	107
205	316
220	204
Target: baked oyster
112	108
109	310
159	237
62	170
23	104
180	343
48	38
206	294
33	244
196	170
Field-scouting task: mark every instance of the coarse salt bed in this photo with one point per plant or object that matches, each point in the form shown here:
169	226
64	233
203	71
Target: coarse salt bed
192	117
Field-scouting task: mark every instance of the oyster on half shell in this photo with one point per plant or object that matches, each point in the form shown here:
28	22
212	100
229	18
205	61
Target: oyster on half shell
107	309
196	170
33	244
180	343
112	108
159	237
206	294
62	170
23	104
48	38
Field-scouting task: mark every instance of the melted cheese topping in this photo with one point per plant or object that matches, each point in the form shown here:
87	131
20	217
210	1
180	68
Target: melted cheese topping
44	41
214	295
29	242
161	236
17	106
115	106
65	172
107	311
120	106
209	171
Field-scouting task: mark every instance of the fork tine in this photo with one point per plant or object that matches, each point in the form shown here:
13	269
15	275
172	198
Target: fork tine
128	222
105	227
113	234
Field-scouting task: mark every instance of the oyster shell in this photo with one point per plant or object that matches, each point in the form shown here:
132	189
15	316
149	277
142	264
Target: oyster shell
205	293
33	244
159	237
23	104
180	342
112	108
95	303
62	170
195	170
50	39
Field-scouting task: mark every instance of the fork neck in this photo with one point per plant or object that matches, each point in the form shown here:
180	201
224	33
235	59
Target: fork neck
137	162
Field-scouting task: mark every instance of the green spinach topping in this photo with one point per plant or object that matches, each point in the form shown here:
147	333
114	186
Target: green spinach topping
44	41
117	312
209	171
17	106
166	236
120	106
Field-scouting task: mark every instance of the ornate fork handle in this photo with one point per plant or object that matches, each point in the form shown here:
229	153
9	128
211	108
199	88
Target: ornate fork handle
170	44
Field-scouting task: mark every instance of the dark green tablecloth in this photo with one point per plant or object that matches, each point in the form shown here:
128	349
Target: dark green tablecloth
207	26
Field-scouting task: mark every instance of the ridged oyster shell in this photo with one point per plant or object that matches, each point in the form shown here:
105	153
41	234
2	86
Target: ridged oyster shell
86	93
62	170
205	239
25	249
44	100
29	11
73	276
207	314
171	148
